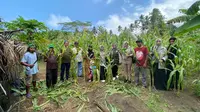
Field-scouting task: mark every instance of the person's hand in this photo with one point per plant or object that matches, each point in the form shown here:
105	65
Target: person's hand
161	61
145	65
31	65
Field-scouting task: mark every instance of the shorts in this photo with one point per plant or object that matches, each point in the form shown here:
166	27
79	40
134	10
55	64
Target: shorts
30	78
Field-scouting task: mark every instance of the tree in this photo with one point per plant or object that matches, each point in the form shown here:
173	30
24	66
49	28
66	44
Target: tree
131	27
72	26
156	19
29	27
110	32
119	28
94	30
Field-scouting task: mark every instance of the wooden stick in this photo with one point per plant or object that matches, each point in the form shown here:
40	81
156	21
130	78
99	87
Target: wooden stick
101	107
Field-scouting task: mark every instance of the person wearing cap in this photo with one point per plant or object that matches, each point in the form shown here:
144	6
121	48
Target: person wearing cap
172	54
51	60
77	51
159	57
29	60
66	54
114	59
141	53
127	61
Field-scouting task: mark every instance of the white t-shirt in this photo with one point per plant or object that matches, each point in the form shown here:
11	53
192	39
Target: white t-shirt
78	57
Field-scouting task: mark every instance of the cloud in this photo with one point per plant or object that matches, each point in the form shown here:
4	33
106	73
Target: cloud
169	8
55	19
114	21
107	1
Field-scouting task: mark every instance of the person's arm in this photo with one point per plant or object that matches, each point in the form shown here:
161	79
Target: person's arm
24	62
45	58
146	54
164	58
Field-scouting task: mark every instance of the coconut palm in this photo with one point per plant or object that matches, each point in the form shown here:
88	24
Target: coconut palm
119	28
10	53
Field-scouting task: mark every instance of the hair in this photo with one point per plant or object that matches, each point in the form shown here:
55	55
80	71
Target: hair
28	49
172	38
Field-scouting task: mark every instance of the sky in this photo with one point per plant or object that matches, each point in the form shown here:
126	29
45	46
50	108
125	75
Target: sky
107	13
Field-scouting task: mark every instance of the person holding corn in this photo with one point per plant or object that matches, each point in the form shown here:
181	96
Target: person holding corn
114	59
66	55
77	51
159	56
127	61
51	60
103	64
141	53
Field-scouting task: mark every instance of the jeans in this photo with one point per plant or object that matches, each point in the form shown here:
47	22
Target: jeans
80	69
63	67
138	70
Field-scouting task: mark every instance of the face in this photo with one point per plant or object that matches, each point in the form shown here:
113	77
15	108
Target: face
158	42
76	45
126	45
66	44
51	49
101	48
139	44
32	49
113	46
171	42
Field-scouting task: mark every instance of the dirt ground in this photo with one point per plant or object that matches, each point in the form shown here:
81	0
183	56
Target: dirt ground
169	101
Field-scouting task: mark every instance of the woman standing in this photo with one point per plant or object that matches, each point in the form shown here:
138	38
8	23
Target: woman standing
114	58
103	64
159	56
172	54
127	61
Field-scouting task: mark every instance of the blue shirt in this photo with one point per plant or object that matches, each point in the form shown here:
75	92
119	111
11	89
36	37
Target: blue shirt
30	58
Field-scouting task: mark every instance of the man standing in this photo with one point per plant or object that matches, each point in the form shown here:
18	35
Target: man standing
66	54
77	51
141	62
29	60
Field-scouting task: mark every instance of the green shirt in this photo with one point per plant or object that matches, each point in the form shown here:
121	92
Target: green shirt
67	55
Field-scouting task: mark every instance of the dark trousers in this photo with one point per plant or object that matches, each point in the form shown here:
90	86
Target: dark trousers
160	78
102	73
115	70
64	66
51	77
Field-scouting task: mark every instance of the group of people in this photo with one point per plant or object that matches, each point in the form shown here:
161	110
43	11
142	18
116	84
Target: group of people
138	57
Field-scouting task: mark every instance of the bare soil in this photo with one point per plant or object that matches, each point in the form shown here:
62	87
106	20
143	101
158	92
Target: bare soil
184	102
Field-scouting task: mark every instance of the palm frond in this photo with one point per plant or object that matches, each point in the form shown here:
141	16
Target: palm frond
189	26
183	18
183	11
194	8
